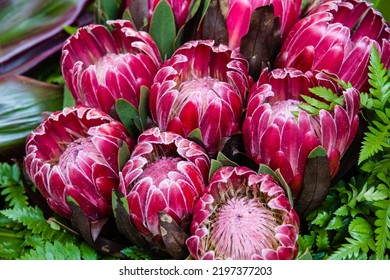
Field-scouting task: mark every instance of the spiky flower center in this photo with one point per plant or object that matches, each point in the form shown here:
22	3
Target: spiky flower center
242	226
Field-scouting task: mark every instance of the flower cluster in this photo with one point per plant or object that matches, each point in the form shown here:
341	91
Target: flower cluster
168	187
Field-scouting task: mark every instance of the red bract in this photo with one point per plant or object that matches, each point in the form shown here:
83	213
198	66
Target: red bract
242	216
336	37
239	14
166	173
100	66
74	153
274	136
201	86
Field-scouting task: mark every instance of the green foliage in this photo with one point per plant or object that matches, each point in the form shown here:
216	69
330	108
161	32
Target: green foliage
376	109
136	253
11	187
24	231
354	220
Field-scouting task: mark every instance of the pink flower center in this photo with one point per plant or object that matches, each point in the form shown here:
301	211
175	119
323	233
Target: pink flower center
82	147
159	169
242	227
200	91
110	61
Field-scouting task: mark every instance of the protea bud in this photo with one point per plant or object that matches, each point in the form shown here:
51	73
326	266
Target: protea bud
243	215
278	133
336	37
100	66
201	87
73	155
240	11
166	173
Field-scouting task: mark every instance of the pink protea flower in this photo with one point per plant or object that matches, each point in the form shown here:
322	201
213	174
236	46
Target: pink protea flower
74	153
201	87
336	37
240	11
274	136
166	173
243	215
100	66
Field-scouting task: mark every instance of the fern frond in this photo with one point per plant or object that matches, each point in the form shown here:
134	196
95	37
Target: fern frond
32	218
375	141
11	187
351	250
135	253
382	230
378	79
54	251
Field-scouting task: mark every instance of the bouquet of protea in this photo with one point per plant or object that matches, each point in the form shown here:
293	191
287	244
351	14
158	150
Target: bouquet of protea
206	129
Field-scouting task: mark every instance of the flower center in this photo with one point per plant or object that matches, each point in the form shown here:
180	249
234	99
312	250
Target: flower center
107	62
242	227
80	147
159	169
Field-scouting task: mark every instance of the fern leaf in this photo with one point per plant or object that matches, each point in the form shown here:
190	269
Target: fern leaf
322	240
136	253
11	187
374	142
378	77
350	250
382	231
30	217
54	251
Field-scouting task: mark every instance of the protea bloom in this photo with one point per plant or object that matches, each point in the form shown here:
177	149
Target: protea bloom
74	153
100	66
240	11
201	87
166	173
142	11
243	215
336	37
275	136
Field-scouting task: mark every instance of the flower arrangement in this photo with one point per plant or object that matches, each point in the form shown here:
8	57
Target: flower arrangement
197	129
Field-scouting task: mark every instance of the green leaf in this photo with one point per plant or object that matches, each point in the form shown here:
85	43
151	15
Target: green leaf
382	228
335	223
54	251
196	134
350	250
360	229
21	110
129	116
163	28
106	10
225	160
215	165
135	253
11	186
123	155
68	100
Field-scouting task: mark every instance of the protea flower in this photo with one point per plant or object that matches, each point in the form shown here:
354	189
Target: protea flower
242	216
240	11
336	37
275	136
100	66
201	87
166	173
73	155
142	11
